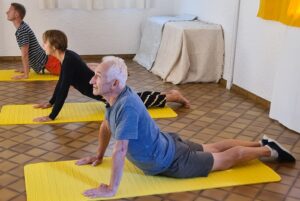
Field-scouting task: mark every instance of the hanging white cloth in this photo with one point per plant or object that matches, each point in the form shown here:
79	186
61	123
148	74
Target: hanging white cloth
94	4
285	103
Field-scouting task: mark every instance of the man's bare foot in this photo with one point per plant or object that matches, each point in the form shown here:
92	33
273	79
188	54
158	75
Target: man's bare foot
175	96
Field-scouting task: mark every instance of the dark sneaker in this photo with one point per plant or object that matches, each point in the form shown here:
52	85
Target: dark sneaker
264	141
283	154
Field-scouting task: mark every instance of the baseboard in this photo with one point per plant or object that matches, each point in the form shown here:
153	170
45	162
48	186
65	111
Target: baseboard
85	57
239	90
10	58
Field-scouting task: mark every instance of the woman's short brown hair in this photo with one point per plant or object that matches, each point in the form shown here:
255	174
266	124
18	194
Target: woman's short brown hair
57	39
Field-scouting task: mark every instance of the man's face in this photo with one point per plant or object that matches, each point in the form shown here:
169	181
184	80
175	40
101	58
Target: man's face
11	13
101	85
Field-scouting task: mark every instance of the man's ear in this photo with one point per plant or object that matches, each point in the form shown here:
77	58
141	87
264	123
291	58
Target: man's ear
116	83
17	14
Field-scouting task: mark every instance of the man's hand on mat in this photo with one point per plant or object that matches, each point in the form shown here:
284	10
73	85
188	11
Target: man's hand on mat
19	77
93	160
103	190
43	105
19	70
42	119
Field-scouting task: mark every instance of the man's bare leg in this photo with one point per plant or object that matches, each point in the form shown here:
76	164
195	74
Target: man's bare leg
228	144
231	157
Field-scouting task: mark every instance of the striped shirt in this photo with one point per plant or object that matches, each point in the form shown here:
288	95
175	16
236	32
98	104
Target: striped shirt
37	56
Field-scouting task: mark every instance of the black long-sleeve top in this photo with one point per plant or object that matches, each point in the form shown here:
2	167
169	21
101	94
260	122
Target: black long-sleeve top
74	72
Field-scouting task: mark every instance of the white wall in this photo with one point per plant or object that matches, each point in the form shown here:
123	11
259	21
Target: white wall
2	17
259	47
89	32
260	43
215	11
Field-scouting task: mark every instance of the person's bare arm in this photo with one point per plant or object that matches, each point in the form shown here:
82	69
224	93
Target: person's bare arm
118	160
103	141
25	63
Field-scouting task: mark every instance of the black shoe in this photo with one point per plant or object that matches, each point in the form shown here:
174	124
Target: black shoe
264	141
283	154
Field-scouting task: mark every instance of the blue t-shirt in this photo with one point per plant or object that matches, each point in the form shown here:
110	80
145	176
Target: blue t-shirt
149	149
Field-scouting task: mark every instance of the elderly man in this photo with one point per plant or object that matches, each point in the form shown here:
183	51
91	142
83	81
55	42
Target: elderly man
157	153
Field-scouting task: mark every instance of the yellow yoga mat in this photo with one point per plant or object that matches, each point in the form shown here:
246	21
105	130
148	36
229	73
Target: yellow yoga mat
71	112
64	181
6	75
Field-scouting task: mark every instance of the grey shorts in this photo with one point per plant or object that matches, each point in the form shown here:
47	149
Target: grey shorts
189	160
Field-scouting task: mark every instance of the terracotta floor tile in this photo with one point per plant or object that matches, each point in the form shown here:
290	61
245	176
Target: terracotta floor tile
248	191
20	158
51	156
295	193
278	188
182	196
50	146
268	195
21	147
7	165
36	152
149	198
18	171
7	143
7	194
18	186
236	197
216	194
21	129
7	179
7	154
201	198
21	197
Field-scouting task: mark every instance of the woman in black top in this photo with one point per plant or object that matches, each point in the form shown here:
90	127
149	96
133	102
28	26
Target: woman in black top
76	73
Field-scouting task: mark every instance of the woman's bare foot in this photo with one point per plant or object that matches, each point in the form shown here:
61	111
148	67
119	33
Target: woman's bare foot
175	96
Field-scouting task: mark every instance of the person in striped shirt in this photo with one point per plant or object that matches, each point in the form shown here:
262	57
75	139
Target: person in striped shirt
33	55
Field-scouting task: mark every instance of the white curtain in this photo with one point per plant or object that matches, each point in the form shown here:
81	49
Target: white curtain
94	4
285	103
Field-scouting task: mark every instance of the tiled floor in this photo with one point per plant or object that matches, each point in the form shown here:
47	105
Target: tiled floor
215	114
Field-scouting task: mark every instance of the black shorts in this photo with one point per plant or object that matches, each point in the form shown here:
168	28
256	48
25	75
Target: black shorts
189	160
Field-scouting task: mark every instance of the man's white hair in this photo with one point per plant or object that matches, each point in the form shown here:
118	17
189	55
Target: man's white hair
117	69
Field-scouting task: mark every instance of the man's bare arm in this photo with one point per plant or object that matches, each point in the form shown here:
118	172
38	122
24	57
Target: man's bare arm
118	160
25	63
103	141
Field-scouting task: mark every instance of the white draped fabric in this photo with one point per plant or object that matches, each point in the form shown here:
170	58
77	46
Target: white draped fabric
285	103
151	38
94	4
